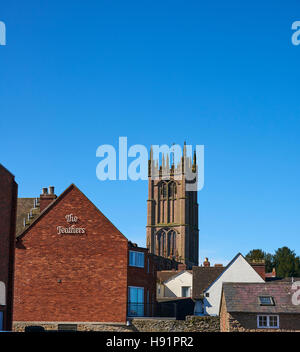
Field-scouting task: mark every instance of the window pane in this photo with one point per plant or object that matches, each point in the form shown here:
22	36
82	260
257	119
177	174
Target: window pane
141	259
140	295
273	321
266	300
185	291
262	321
136	301
131	258
136	259
132	294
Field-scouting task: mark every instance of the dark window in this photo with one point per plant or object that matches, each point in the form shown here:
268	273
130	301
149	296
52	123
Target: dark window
266	301
67	327
172	189
186	291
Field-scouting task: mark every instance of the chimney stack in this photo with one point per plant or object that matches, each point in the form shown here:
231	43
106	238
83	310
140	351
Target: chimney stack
206	263
181	267
47	198
259	266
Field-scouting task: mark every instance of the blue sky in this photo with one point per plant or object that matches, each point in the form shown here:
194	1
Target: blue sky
78	74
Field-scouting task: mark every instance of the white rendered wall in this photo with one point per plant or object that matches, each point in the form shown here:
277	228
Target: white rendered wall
239	271
173	286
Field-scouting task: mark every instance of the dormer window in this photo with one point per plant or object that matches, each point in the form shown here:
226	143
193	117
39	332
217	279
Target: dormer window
266	301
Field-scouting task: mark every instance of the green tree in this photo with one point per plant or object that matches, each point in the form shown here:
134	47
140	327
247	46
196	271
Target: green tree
286	262
259	254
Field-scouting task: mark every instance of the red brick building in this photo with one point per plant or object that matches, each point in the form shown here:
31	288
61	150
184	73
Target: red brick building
71	264
8	204
74	266
141	281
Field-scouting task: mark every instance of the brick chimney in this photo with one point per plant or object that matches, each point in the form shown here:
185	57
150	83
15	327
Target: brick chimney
47	197
206	263
272	274
259	267
181	267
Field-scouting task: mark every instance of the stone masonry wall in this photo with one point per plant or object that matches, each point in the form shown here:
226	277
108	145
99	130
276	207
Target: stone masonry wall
19	326
191	324
247	322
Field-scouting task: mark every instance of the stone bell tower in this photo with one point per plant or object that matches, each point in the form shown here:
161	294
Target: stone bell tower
172	209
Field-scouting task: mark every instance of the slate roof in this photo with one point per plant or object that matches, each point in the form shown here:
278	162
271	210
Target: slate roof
244	297
204	277
24	205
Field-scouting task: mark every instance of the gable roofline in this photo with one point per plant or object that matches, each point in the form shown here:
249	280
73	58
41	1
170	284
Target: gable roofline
177	274
225	269
228	266
6	170
58	199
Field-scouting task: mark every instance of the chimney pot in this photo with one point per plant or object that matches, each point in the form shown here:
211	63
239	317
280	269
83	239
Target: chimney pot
46	198
206	263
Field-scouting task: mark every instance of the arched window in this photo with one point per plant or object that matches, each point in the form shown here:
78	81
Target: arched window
163	190
172	189
165	243
160	245
171	243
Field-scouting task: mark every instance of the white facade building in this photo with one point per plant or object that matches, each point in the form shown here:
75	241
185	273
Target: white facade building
178	285
238	270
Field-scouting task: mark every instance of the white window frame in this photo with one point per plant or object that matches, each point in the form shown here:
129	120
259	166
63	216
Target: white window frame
135	263
268	321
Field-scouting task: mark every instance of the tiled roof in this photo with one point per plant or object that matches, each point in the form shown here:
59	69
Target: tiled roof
204	277
24	205
244	297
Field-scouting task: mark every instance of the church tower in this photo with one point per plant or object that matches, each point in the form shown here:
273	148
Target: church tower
172	209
